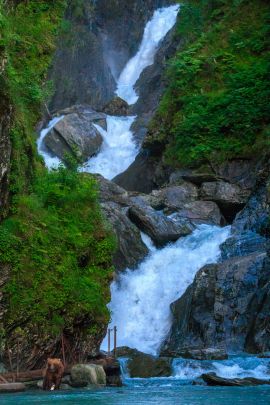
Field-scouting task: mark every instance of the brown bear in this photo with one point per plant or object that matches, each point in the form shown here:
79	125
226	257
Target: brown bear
53	374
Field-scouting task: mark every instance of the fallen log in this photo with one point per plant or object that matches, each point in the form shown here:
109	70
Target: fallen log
214	380
24	376
12	387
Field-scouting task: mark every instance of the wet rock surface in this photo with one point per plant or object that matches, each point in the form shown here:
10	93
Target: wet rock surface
231	198
155	224
141	365
204	354
115	202
76	135
92	53
116	107
214	380
220	307
82	375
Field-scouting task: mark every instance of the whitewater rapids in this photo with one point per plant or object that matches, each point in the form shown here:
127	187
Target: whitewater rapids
141	298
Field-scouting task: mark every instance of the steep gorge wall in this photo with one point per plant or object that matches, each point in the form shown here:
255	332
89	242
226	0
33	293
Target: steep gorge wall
99	37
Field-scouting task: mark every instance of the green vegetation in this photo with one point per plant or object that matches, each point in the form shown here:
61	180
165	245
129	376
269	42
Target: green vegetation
59	251
54	241
28	34
217	102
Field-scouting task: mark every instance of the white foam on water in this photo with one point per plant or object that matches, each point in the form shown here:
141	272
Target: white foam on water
236	367
50	161
156	29
118	150
141	298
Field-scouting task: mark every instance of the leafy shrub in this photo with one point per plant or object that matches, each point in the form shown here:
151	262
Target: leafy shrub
59	251
217	101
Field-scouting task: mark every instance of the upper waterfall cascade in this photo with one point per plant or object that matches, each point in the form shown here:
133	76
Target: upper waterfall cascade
119	149
155	30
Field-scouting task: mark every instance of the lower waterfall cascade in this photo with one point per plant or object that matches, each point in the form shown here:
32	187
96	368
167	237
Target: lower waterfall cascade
141	298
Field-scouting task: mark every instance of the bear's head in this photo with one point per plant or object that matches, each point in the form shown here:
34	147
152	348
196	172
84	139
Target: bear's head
54	365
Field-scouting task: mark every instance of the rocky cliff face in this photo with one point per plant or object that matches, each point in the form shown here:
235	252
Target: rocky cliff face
227	306
98	39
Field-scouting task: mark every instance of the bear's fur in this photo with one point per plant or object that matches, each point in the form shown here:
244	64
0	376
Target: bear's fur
53	374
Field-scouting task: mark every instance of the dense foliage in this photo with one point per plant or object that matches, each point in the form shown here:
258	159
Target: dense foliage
54	242
59	252
217	102
28	35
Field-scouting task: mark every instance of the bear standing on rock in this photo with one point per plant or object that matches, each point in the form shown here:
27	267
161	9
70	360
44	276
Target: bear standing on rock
53	374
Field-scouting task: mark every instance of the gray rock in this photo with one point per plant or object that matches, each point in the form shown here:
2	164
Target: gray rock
116	107
238	171
214	380
243	244
202	212
131	249
175	197
204	354
76	135
230	197
156	225
141	365
145	174
82	375
220	307
255	215
102	37
88	113
115	202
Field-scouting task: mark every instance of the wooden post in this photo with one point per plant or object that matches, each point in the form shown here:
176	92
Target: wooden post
109	341
63	350
17	359
115	340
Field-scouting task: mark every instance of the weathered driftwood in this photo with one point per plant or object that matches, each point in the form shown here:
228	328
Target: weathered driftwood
24	376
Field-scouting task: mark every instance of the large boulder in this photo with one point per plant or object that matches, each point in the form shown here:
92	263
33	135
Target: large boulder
116	107
174	197
220	307
231	198
141	365
82	375
202	212
157	225
74	135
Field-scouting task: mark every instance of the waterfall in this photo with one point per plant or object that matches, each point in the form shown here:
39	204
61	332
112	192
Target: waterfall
119	149
50	161
155	30
141	298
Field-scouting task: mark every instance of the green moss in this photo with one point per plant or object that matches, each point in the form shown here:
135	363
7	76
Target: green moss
217	102
59	251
